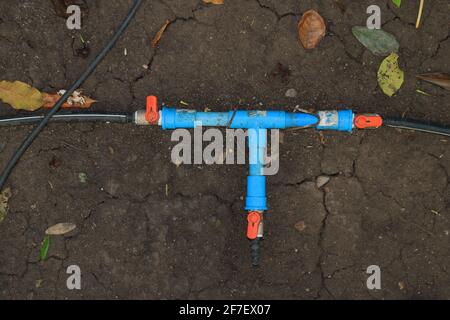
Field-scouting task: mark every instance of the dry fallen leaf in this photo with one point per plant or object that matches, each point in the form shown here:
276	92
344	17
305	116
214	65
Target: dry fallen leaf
214	1
60	229
77	100
20	95
437	78
158	36
311	29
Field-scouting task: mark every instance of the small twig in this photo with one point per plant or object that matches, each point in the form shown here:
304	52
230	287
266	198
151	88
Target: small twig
419	16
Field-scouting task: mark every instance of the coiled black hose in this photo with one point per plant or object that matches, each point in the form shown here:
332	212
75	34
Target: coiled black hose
416	126
43	123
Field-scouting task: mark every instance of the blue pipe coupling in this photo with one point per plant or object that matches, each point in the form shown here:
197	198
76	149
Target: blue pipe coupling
336	120
256	199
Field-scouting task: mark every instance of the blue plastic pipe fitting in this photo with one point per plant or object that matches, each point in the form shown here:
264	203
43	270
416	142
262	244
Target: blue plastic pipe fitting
257	122
256	199
336	120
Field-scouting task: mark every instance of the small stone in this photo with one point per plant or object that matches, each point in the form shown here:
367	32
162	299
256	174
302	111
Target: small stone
38	283
401	285
322	180
300	226
112	187
291	93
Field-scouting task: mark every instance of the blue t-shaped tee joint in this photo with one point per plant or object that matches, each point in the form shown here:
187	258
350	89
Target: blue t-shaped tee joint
257	123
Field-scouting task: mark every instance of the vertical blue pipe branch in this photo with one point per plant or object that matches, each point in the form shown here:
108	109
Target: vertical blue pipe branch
256	199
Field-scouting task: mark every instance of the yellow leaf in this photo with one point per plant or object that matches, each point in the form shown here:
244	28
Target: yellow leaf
214	1
390	76
20	95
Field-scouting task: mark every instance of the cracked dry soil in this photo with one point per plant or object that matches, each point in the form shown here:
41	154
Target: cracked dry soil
387	202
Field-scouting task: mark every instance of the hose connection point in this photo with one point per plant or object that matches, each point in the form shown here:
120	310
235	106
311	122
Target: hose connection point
254	219
368	121
152	112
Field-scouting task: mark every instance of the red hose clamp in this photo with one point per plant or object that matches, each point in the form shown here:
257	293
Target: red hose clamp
368	121
152	113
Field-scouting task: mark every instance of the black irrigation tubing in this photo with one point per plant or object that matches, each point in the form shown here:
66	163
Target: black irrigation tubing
36	131
416	126
69	117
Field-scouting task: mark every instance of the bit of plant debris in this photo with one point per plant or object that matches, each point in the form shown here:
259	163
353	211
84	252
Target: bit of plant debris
4	206
60	229
437	78
159	34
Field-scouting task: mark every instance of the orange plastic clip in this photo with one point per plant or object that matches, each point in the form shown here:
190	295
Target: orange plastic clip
254	219
152	113
368	121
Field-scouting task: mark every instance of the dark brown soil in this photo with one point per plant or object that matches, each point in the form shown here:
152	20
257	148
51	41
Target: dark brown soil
387	203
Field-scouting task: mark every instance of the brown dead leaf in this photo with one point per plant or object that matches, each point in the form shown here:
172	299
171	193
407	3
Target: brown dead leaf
214	1
311	29
76	101
437	78
158	36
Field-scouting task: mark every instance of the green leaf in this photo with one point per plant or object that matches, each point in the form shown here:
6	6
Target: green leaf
390	76
44	248
398	3
379	42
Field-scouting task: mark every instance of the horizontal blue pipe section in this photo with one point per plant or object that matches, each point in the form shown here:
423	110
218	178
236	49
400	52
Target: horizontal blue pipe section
177	118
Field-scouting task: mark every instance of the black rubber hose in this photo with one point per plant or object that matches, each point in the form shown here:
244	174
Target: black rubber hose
70	117
416	126
255	251
29	140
